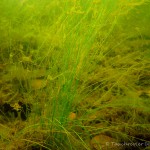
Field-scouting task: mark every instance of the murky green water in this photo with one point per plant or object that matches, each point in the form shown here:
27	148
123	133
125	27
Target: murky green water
75	74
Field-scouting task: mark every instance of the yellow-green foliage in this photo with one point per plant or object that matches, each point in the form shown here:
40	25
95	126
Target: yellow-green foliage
85	57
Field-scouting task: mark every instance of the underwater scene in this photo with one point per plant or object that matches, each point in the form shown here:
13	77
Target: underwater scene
74	74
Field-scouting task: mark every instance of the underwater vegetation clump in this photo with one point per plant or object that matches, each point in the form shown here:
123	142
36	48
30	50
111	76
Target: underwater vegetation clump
75	74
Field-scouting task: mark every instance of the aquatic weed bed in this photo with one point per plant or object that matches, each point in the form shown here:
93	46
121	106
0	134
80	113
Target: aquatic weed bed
74	75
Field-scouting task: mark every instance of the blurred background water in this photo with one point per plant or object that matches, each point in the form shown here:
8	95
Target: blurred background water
138	20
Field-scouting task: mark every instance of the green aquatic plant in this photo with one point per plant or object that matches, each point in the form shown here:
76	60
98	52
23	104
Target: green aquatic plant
73	57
